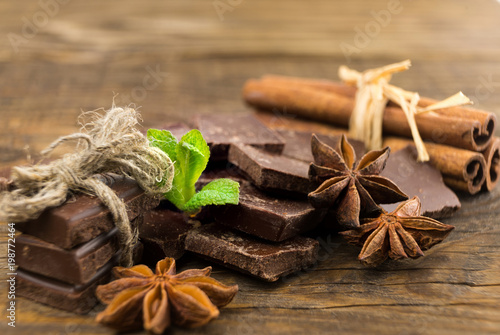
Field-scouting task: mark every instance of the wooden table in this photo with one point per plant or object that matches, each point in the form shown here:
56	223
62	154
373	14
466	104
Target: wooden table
177	58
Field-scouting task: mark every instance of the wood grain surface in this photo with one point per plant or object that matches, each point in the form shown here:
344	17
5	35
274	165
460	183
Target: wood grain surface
177	58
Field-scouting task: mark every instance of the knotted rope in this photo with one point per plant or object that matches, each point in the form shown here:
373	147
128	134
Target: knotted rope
374	91
108	143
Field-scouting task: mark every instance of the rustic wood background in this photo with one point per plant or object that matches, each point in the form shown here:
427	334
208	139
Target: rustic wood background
59	57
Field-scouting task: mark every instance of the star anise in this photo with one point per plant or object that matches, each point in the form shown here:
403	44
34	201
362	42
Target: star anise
400	234
155	300
351	188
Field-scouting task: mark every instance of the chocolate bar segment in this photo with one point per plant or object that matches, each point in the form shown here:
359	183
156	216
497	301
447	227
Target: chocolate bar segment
163	233
75	266
78	299
265	260
269	171
422	180
82	217
221	130
267	217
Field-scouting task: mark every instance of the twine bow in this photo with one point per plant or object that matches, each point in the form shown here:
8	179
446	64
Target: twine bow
110	143
374	91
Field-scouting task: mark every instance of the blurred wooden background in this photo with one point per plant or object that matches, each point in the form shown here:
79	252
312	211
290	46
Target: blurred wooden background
175	58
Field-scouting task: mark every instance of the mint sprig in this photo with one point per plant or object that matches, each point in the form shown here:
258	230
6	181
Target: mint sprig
190	156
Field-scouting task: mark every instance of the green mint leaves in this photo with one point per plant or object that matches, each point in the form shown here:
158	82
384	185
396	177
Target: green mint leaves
190	156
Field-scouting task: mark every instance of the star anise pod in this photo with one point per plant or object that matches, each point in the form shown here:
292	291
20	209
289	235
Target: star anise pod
400	234
351	188
155	300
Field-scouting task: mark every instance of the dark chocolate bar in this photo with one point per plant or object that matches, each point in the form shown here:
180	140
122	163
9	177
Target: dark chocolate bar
298	144
269	171
271	218
82	217
74	298
247	254
221	130
422	180
75	266
163	233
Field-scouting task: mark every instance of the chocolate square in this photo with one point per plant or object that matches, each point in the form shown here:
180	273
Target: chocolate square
265	260
271	172
271	218
221	130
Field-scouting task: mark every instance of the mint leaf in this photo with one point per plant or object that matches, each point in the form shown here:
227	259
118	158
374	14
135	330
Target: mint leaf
192	157
176	194
163	140
193	154
217	192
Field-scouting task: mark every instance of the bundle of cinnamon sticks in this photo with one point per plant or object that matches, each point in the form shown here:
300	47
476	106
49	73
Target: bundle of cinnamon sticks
460	141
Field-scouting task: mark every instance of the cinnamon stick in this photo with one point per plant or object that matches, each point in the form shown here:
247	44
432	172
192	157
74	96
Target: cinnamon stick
492	157
462	170
320	84
303	101
333	102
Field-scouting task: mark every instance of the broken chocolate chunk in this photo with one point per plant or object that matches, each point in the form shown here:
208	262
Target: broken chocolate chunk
422	180
271	218
163	233
82	217
239	251
298	144
221	130
269	171
78	299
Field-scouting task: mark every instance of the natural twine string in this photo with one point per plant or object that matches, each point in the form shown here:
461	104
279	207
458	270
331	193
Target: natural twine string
107	143
374	91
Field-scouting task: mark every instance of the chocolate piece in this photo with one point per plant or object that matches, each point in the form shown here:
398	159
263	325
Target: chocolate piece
271	172
422	180
74	298
298	144
163	233
247	254
75	266
270	218
82	217
221	130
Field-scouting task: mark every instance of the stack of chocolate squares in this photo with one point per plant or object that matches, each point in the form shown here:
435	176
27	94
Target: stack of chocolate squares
69	250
